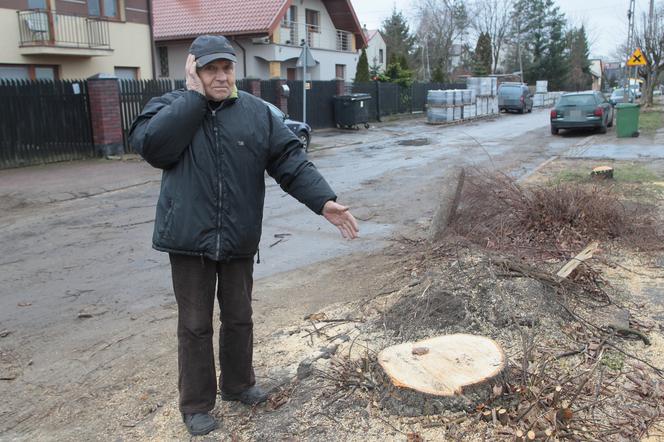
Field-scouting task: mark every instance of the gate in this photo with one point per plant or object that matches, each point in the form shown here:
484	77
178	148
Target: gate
135	94
43	122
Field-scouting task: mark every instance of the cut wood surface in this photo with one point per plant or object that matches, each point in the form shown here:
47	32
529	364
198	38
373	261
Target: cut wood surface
458	371
572	264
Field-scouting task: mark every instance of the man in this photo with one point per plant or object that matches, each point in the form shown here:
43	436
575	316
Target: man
214	145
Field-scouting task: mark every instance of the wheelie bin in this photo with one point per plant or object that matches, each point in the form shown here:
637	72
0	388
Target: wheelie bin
627	120
351	110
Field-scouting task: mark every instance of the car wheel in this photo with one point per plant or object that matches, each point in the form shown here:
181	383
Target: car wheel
530	110
602	129
304	139
522	110
610	123
554	130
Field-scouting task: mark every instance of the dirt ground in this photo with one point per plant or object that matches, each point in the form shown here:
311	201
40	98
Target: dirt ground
116	380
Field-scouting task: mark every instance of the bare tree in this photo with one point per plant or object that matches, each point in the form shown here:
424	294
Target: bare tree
494	18
649	36
441	24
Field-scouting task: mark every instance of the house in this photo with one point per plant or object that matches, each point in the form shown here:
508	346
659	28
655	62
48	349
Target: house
376	49
596	73
73	39
267	35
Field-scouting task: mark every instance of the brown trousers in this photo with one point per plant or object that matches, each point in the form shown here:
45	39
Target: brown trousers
194	283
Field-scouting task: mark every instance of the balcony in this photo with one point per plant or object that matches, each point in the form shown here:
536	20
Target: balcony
47	32
293	34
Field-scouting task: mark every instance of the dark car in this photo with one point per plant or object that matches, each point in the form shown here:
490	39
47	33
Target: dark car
582	110
300	129
515	97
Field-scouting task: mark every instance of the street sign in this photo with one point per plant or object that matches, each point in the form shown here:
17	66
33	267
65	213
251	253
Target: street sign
306	57
637	58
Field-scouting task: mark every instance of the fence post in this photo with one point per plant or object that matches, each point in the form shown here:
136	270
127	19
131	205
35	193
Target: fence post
254	86
282	101
377	101
105	114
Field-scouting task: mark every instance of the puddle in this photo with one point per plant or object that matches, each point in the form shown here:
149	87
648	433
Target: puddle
415	142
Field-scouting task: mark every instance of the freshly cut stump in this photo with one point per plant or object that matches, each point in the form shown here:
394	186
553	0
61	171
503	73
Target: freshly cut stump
448	372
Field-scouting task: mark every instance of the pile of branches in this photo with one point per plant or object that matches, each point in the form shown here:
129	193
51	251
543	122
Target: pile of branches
498	213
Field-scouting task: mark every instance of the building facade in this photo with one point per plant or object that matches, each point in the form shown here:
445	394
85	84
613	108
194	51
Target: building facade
376	50
267	35
74	39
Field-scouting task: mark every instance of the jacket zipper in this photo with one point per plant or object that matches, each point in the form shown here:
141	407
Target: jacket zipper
219	186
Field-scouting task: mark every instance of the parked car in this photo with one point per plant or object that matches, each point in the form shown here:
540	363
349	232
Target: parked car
582	110
516	97
618	96
301	130
636	89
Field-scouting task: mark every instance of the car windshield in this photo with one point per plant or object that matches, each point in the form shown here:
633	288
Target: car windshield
618	93
275	111
577	100
511	91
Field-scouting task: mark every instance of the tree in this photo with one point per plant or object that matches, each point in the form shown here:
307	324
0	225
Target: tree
362	72
493	17
482	55
538	29
649	36
579	65
442	24
439	75
397	36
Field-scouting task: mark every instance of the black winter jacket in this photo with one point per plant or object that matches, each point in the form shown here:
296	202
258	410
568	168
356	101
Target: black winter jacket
213	161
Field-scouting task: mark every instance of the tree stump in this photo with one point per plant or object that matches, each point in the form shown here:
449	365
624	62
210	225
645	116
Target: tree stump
602	172
451	372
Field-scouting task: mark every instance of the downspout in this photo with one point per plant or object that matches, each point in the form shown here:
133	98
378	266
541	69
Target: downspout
152	55
244	57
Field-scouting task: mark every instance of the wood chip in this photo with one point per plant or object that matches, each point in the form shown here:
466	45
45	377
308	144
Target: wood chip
419	351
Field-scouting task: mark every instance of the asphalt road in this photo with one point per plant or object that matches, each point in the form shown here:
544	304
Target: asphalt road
86	302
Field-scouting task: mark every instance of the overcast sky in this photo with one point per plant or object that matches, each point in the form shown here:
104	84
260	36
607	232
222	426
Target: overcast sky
605	20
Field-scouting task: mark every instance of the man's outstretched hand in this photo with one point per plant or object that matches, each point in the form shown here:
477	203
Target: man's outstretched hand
341	217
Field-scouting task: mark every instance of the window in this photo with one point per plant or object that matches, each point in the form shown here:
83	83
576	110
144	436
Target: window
28	72
126	73
340	71
289	17
162	53
103	8
380	56
37	4
313	20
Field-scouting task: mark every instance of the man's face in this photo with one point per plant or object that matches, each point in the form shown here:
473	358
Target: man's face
218	78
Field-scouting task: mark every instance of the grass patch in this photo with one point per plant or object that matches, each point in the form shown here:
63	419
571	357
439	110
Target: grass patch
650	121
623	173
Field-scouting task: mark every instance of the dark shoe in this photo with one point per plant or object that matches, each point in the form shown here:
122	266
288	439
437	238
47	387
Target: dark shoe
251	396
199	423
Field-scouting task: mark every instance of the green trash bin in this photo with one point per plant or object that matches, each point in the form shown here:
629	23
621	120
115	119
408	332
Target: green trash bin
627	120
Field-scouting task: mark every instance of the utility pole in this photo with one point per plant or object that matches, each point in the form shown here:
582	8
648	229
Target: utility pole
630	39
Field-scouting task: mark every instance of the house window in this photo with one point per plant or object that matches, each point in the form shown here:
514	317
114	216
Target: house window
313	20
162	52
103	8
37	4
289	17
380	56
340	71
28	72
126	73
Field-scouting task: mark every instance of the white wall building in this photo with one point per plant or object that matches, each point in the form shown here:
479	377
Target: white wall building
267	36
376	49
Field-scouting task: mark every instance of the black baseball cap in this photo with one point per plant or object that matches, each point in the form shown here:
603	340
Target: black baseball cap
208	48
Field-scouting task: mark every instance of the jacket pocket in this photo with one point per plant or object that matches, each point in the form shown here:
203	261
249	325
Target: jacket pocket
165	231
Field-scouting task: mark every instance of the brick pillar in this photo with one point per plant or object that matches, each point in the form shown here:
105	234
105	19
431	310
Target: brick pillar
104	98
340	87
282	100
254	87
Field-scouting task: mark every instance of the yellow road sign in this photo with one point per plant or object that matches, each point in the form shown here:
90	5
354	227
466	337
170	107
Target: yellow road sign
637	58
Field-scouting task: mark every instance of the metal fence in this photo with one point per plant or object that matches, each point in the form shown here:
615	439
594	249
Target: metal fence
393	99
44	121
45	27
135	94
